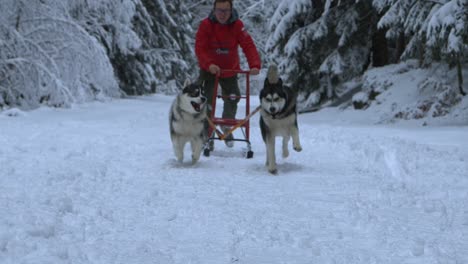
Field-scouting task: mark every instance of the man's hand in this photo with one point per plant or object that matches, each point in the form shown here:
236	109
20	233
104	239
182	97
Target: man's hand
254	71
214	69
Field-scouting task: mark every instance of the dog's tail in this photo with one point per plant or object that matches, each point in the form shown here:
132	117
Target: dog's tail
272	74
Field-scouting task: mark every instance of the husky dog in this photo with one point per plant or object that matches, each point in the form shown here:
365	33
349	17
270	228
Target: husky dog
188	121
278	116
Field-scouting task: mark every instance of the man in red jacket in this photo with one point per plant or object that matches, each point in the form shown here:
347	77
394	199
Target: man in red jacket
216	46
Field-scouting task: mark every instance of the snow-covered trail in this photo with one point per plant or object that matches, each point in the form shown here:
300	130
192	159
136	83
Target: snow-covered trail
99	184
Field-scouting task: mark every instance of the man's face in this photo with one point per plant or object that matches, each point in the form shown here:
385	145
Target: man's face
222	12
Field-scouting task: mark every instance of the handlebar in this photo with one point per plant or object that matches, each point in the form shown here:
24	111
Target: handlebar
234	71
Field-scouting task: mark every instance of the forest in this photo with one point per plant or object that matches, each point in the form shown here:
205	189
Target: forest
60	52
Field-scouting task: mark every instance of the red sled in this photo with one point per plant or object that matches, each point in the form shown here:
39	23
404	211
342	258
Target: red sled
214	131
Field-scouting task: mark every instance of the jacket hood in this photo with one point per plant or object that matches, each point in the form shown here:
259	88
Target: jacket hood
232	19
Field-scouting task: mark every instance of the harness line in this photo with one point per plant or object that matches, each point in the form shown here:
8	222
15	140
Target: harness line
223	136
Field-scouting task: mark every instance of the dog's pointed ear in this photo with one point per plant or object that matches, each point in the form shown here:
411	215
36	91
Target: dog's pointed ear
187	82
200	83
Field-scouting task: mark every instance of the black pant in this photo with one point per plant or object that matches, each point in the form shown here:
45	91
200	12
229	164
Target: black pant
229	87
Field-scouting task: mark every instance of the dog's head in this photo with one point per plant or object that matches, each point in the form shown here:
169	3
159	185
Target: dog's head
273	97
192	97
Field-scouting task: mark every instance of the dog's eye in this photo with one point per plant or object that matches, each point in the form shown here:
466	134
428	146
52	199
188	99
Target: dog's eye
276	99
195	93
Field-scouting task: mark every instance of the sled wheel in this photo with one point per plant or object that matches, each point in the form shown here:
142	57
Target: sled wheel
206	152
250	154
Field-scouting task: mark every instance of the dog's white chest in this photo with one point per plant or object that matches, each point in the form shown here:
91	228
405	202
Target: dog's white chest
188	127
279	127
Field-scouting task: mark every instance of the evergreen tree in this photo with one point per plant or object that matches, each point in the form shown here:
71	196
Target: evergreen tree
147	41
448	35
256	16
46	58
319	44
58	52
431	31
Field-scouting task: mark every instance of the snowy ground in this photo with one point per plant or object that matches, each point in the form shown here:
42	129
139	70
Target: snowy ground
98	183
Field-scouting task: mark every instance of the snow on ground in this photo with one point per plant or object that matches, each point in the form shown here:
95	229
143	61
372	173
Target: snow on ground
99	183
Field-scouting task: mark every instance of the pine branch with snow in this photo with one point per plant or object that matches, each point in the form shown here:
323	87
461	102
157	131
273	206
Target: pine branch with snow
38	44
320	44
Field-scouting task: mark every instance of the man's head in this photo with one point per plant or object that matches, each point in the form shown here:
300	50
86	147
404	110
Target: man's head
222	10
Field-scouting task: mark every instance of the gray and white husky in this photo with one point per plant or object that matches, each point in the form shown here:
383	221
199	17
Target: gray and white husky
188	121
278	116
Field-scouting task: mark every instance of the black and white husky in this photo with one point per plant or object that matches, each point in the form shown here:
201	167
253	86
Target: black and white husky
278	116
188	121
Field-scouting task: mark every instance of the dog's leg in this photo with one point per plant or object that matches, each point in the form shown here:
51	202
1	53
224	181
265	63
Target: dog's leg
295	138
197	146
285	146
267	153
271	158
178	146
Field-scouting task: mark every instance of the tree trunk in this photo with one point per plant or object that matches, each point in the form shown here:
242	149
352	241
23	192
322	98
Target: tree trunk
379	48
400	46
460	76
421	50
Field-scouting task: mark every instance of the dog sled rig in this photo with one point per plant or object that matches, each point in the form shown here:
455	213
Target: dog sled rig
215	123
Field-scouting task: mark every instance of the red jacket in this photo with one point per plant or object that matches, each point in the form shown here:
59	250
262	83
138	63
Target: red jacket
218	44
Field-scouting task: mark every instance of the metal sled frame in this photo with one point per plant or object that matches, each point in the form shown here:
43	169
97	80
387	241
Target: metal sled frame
215	133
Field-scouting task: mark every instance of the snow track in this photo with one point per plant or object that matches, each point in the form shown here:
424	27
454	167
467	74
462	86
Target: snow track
99	184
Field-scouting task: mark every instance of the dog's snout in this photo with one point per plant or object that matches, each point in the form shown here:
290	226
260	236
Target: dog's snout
272	109
203	99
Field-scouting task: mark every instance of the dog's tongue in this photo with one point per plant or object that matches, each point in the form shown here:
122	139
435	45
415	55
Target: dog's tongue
196	106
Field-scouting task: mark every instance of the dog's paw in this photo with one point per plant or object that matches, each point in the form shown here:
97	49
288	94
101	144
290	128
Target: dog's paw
179	156
285	153
272	168
298	148
273	171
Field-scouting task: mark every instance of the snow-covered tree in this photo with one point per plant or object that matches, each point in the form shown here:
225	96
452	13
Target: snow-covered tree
147	41
447	33
56	52
319	44
46	58
256	17
430	30
79	50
